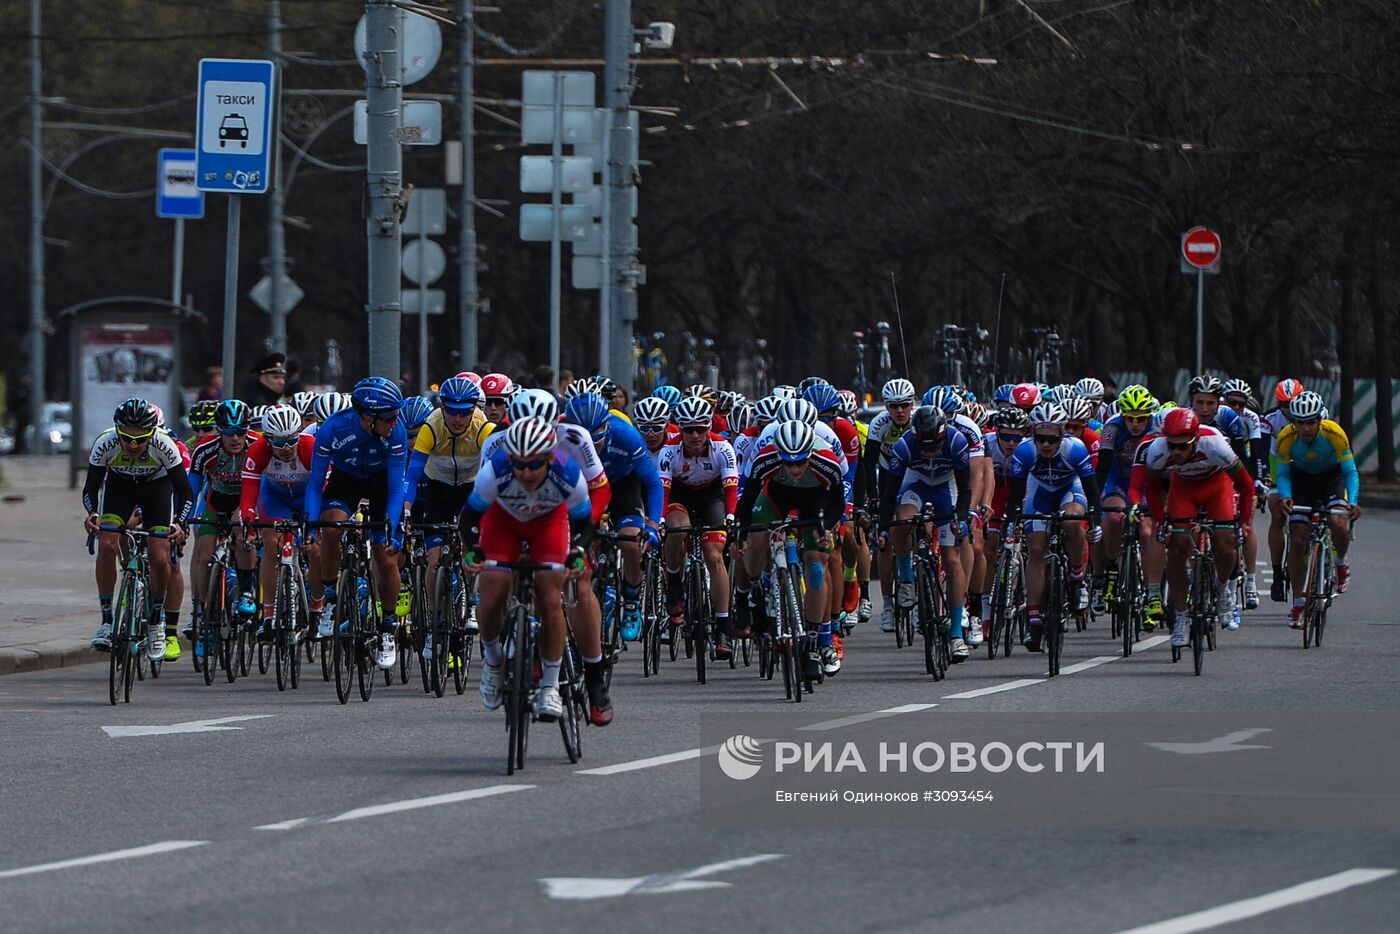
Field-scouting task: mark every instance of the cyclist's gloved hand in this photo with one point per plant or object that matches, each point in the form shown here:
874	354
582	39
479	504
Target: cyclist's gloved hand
653	538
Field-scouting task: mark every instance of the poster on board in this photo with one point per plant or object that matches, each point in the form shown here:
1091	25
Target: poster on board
120	361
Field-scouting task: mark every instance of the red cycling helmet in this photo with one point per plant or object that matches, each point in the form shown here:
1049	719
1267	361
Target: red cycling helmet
1181	421
1287	390
469	375
497	386
1025	396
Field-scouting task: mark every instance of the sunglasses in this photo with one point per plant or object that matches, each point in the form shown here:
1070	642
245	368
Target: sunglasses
460	413
496	401
535	464
1048	439
282	442
899	405
599	434
390	418
1180	445
700	430
135	439
1136	418
1010	439
651	429
233	432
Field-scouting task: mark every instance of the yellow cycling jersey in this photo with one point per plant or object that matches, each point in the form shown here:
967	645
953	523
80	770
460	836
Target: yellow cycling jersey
1327	451
863	429
452	459
621	414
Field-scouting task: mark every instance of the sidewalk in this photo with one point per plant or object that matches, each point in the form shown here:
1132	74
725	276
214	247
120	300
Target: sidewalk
48	600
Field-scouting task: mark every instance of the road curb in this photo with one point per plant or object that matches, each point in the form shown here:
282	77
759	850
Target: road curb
1378	500
16	659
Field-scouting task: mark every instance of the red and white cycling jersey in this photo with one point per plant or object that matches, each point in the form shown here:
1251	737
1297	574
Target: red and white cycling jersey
290	475
848	436
1212	455
716	464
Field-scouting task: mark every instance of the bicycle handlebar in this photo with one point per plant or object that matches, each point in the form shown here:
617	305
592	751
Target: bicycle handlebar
525	566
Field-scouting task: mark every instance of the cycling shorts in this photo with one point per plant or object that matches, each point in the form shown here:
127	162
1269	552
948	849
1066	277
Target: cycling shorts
1214	494
442	503
938	498
277	501
1317	491
213	505
765	511
705	506
548	536
122	497
344	492
627	508
1047	499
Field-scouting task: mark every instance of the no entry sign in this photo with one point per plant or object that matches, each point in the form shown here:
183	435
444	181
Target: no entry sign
1200	247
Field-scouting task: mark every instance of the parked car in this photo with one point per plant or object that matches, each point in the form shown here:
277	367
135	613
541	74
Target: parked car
55	434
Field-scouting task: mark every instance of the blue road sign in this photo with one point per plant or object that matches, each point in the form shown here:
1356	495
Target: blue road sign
234	139
176	194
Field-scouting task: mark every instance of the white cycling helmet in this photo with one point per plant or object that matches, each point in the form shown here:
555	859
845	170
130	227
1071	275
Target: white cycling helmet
281	422
1048	413
1306	406
304	400
534	403
799	410
785	391
741	418
897	390
1090	388
794	440
765	410
651	411
529	438
328	403
694	411
1079	409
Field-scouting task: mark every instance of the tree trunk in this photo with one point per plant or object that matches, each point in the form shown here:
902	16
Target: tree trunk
1346	332
1385	416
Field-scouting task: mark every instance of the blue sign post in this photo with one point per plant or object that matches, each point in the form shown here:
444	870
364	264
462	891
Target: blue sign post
177	197
235	141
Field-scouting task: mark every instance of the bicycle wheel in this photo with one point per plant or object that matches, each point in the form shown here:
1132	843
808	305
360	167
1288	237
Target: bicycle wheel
1201	605
1000	581
797	633
571	693
923	589
697	621
518	691
1124	597
346	624
283	621
1053	615
247	645
439	626
365	638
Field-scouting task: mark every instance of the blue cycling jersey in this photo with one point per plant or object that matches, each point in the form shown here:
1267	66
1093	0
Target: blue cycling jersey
1118	446
1228	422
1070	461
341	443
906	457
624	453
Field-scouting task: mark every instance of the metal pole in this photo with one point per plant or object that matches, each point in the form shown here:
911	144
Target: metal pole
466	254
556	196
177	282
604	292
617	75
235	202
36	227
1200	320
384	94
422	316
276	232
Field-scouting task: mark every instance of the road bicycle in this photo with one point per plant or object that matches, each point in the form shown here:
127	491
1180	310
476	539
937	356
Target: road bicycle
783	633
1127	607
1055	611
1203	597
356	612
1008	597
699	611
1320	579
930	597
131	615
452	624
654	614
291	610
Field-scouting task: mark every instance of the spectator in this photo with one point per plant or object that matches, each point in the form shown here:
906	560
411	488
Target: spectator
544	376
267	382
213	387
17	400
619	399
565	378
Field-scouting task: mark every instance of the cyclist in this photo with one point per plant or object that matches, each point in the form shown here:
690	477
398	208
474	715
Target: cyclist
1202	467
652	416
637	494
700	477
443	466
305	402
216	475
827	401
1009	428
528	492
1122	436
930	466
367	447
496	390
274	487
849	407
793	474
1239	398
1093	390
953	403
1316	470
1052	472
133	465
201	419
326	405
886	429
1271	426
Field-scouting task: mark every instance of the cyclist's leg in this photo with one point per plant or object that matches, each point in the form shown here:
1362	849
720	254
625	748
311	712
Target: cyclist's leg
1277	522
674	552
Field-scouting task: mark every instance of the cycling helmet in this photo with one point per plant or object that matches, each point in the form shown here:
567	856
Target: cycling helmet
1002	395
581	387
160	415
785	391
849	404
1090	388
946	399
1305	407
1025	396
471	377
1287	390
1136	400
375	395
1160	416
1236	387
1112	410
1061	393
281	422
534	403
765	410
741	418
700	390
328	403
1011	420
977	413
897	390
794	441
1181	421
797	410
255	419
1079	409
415	412
670	394
824	397
202	414
929	424
651	412
529	438
694	411
1206	384
726	400
232	415
1048	413
606	387
588	411
459	393
303	401
1043	387
136	414
497	386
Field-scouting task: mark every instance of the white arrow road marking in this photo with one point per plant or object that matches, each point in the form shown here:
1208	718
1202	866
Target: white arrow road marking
1226	743
1250	907
393	807
190	726
867	717
663	883
150	850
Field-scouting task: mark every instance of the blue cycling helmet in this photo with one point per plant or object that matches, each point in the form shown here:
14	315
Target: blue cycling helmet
944	398
670	394
375	395
588	411
459	393
232	415
826	397
927	397
1003	394
415	412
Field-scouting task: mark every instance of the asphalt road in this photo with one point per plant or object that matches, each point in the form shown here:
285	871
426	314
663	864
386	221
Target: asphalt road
283	821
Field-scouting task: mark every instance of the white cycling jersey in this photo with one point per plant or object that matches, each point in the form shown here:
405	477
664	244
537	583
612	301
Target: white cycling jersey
1213	454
